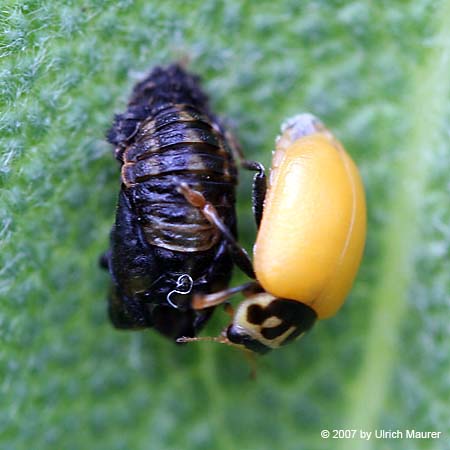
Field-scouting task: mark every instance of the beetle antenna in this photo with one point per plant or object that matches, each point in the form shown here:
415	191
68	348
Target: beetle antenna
220	339
248	354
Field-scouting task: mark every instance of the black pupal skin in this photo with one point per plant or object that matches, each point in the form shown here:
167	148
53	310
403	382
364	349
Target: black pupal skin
163	250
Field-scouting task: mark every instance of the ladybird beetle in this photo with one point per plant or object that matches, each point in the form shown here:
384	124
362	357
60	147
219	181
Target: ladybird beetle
309	244
176	205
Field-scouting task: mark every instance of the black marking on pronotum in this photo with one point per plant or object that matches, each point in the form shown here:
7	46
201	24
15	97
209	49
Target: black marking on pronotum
168	137
290	314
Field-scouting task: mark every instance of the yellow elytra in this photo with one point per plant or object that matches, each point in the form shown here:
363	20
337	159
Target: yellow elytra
312	234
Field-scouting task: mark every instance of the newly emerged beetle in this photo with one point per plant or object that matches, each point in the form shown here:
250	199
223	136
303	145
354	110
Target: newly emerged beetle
309	244
175	228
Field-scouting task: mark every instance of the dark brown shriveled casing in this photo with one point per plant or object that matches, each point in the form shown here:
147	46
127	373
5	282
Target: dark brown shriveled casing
166	138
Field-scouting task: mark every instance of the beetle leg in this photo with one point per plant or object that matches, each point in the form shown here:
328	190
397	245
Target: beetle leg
233	145
228	309
238	253
241	258
202	301
216	266
259	180
259	188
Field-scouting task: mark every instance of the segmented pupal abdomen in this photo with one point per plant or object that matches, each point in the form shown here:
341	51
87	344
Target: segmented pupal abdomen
168	137
163	249
178	144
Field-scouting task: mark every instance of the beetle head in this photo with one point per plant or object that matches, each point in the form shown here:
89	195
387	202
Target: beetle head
264	322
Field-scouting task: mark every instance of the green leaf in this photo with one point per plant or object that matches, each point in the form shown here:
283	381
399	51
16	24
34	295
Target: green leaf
375	72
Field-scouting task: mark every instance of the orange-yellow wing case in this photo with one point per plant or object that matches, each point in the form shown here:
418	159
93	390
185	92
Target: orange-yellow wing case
313	230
